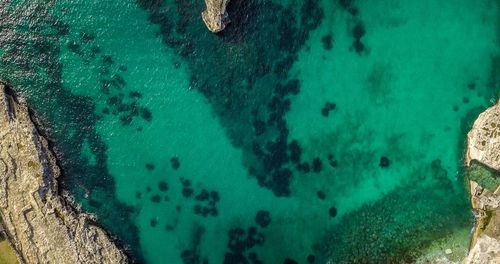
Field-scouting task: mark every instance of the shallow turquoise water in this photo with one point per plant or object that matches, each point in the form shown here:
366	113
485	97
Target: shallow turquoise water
343	120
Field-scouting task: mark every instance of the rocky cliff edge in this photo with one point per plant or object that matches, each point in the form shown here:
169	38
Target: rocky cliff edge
483	165
41	225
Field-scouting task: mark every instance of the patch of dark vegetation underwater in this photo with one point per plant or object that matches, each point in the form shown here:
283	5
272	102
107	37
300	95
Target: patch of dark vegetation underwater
244	73
399	227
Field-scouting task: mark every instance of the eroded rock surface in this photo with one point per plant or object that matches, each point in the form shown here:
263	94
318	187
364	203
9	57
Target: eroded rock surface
484	139
483	147
215	16
485	241
42	226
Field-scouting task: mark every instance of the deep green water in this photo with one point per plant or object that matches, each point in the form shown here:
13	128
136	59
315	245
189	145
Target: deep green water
342	122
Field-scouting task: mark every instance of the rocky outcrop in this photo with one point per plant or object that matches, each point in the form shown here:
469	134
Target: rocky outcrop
485	240
42	226
215	16
483	162
484	139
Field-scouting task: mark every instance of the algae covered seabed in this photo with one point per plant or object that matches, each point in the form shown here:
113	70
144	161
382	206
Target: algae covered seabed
306	131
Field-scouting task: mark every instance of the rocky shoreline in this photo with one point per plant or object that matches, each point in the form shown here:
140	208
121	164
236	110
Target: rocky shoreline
482	162
42	225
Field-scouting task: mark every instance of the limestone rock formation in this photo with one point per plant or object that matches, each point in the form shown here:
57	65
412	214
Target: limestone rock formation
42	226
215	16
484	139
485	241
483	147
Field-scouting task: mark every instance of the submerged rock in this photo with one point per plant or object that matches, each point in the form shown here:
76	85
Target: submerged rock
384	162
263	218
42	225
332	211
215	16
311	258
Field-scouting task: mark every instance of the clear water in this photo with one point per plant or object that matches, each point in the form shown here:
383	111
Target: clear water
139	98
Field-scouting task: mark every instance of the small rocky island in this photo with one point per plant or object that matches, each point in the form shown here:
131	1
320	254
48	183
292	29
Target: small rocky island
41	225
215	16
483	176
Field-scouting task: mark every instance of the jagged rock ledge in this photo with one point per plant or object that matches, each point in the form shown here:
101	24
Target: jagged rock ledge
42	226
483	164
215	16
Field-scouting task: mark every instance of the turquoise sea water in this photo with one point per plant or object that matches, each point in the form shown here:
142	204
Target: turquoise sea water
307	131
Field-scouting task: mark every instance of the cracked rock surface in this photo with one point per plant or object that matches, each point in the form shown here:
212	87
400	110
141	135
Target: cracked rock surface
42	226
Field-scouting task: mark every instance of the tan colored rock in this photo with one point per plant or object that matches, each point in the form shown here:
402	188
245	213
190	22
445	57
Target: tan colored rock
215	16
484	146
484	139
42	226
485	251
